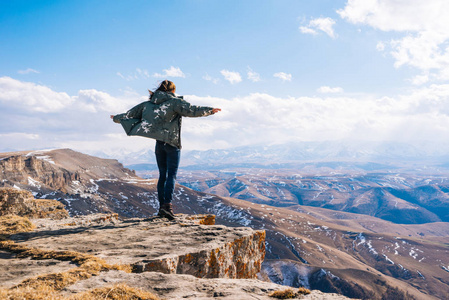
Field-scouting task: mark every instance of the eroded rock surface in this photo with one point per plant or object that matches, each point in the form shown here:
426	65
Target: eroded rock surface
154	244
171	286
161	253
14	270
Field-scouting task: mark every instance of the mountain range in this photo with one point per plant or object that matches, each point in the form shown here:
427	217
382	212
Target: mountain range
359	155
398	196
357	255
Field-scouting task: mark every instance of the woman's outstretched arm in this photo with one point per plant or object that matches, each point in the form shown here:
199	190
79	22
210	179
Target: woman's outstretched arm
186	109
133	113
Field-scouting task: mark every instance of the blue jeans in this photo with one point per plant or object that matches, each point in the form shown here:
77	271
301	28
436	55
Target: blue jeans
167	158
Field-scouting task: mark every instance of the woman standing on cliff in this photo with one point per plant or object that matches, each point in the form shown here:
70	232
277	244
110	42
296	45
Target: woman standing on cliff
160	118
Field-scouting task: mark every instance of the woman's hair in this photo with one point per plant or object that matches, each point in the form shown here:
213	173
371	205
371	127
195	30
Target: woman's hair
166	86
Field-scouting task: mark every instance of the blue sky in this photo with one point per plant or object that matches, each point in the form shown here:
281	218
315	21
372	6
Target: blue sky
84	44
281	70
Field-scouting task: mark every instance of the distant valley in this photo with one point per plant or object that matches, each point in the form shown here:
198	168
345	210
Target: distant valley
398	182
402	198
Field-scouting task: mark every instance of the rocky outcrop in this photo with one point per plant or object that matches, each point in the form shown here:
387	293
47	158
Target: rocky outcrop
173	260
153	244
240	258
83	183
22	203
16	202
171	286
22	169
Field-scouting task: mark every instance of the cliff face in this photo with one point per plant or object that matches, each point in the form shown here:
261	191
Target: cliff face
239	258
22	169
84	184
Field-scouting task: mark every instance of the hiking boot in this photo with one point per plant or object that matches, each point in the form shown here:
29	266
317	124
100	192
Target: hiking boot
166	211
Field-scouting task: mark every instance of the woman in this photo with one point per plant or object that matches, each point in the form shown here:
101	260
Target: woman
160	118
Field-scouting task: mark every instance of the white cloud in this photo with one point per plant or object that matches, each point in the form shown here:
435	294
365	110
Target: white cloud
15	140
120	75
36	117
322	24
397	15
82	121
420	79
97	101
380	46
232	77
210	78
283	76
20	135
418	116
28	71
143	73
253	76
29	96
424	25
171	72
329	90
137	74
308	30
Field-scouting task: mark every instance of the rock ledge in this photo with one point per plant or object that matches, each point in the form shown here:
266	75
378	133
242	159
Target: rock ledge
180	247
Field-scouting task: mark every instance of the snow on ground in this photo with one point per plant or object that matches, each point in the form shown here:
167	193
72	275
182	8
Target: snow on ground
388	259
34	183
46	158
363	241
40	155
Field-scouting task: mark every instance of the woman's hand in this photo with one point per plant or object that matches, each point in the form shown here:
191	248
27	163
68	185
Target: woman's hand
215	110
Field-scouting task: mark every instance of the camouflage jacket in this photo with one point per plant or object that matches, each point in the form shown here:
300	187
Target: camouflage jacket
160	117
